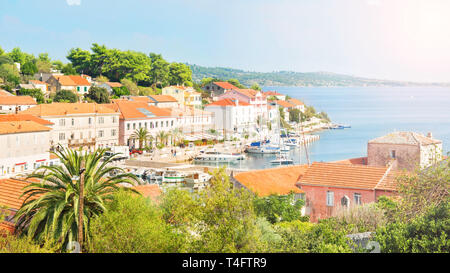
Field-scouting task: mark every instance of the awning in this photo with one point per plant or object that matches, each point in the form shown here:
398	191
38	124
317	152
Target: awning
18	164
42	160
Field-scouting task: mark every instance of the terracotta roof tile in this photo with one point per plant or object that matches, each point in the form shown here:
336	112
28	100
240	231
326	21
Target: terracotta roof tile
163	98
226	85
17	100
72	80
61	109
114	84
10	193
272	181
137	110
285	104
4	93
347	176
353	161
14	127
295	102
24	117
411	138
227	102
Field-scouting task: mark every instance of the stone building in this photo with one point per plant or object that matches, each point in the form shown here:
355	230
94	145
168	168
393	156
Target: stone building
406	150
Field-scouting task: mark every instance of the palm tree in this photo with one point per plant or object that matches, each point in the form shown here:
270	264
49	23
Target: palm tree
163	136
50	210
141	135
176	133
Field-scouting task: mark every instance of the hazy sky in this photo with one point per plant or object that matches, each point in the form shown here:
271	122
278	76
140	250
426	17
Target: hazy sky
389	39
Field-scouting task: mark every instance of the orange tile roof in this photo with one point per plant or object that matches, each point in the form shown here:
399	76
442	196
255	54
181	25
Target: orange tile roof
17	100
295	102
248	92
272	181
131	110
411	138
353	161
152	191
348	176
4	93
163	98
10	193
285	104
186	111
226	85
228	102
114	84
14	127
61	109
272	93
72	80
24	117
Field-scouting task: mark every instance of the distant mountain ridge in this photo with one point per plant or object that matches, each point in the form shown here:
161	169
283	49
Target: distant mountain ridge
290	78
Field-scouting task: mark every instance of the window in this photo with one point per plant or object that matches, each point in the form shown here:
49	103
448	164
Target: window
151	125
100	133
90	121
162	124
330	198
357	197
62	136
73	122
101	120
85	89
113	132
393	154
62	122
78	88
345	201
113	119
167	123
171	123
134	126
128	126
140	125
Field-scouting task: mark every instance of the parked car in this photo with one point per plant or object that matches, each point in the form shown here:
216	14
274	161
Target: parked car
136	152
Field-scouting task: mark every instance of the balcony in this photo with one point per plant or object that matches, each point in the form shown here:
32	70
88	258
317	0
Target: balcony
74	143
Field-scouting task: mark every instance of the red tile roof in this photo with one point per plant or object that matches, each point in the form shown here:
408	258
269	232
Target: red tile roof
14	127
411	138
285	104
10	193
353	161
4	93
227	102
348	176
248	92
114	84
163	98
17	100
272	93
62	109
72	80
226	85
272	181
131	109
24	117
295	102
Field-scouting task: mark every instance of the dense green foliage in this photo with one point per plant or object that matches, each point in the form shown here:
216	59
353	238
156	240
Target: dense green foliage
53	215
65	96
142	69
98	94
279	208
35	93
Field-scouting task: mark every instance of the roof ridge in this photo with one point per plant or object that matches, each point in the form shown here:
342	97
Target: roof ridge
385	174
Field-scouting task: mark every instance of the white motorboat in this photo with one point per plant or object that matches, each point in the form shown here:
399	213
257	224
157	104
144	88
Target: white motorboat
173	177
263	149
217	157
198	180
282	159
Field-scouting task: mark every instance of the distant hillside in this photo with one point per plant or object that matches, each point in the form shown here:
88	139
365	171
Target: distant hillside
289	78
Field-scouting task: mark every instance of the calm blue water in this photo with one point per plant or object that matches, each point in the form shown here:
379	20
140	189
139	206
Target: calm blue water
372	112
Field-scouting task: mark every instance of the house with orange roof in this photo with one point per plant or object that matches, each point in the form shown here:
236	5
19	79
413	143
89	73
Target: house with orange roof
285	107
39	85
275	94
218	88
297	104
14	104
407	150
135	115
161	101
250	96
86	125
74	83
25	144
233	117
184	95
332	187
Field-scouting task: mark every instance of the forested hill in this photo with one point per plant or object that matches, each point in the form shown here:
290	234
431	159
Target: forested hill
289	78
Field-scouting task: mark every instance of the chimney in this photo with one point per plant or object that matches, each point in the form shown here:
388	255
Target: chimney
430	135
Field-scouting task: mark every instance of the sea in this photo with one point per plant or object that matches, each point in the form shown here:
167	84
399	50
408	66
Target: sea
371	112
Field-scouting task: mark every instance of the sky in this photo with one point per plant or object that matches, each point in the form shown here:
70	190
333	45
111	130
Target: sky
385	39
